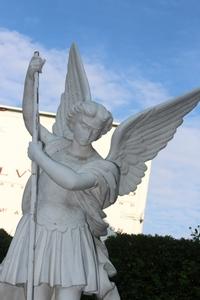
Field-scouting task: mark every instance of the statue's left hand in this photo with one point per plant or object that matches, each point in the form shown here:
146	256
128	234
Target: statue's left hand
34	150
36	64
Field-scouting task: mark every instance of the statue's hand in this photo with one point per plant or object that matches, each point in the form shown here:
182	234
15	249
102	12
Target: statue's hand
36	64
34	150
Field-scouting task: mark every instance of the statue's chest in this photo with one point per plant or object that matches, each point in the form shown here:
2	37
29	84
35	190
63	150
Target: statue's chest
52	188
52	193
68	160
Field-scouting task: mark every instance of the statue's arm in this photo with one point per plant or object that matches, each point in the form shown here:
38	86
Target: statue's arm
59	173
35	65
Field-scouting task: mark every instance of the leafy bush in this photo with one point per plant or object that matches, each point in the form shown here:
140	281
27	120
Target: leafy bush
195	234
149	268
5	240
155	268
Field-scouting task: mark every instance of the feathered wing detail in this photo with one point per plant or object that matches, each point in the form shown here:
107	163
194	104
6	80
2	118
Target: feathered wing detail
140	138
76	90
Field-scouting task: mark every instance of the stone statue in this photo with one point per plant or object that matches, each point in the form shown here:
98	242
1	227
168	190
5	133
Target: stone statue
76	184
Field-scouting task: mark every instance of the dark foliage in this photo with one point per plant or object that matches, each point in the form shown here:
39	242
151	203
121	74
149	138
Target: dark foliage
195	234
5	240
149	268
155	268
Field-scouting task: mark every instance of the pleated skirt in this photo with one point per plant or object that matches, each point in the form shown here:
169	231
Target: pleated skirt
61	258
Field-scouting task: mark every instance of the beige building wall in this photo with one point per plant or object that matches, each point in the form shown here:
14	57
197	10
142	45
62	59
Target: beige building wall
126	215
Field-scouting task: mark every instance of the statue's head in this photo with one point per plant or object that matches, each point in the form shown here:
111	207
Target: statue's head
89	121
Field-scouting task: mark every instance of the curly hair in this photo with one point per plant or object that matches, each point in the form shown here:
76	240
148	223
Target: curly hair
91	109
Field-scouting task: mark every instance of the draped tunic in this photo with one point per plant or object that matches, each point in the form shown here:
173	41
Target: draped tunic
69	224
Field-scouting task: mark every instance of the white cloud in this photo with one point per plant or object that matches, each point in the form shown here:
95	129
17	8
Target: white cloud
106	86
15	53
148	93
174	191
174	198
112	89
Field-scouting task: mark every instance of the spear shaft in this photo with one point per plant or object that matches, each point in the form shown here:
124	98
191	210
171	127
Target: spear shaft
34	190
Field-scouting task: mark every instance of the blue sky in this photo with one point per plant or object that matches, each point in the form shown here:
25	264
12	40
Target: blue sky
136	54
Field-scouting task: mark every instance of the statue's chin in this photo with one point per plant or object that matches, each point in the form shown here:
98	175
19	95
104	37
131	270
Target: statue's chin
84	143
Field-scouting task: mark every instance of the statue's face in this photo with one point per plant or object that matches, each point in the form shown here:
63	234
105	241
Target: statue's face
87	130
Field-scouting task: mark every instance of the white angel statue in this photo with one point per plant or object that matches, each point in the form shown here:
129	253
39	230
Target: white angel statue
76	184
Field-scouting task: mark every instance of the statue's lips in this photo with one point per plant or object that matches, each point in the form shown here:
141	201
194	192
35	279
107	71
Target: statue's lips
84	141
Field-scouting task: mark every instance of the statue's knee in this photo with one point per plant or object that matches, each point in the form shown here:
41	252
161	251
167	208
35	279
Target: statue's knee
43	292
72	293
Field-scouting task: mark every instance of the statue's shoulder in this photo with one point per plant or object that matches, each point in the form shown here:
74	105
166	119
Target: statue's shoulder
56	144
100	164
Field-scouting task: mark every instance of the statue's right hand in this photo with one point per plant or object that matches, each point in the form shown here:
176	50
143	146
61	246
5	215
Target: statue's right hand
35	65
34	150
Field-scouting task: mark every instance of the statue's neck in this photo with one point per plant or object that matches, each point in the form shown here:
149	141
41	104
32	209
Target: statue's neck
82	151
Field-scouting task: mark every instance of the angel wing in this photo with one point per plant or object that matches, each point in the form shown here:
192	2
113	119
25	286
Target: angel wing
140	138
76	90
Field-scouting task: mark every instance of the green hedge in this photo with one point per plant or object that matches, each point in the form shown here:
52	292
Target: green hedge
156	268
150	268
5	240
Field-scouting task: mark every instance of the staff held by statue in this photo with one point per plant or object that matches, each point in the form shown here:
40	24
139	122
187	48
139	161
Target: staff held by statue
34	189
